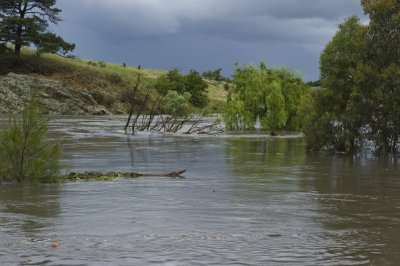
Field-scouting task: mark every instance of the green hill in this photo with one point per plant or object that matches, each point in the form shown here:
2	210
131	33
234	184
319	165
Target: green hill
109	84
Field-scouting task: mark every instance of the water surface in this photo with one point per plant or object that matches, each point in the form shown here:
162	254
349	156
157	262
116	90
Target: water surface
246	200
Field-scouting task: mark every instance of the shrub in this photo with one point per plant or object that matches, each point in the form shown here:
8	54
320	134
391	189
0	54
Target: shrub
91	63
191	83
177	104
102	64
103	98
115	78
25	154
126	95
215	75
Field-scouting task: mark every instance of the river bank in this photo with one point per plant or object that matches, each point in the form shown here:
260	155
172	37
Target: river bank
70	86
55	97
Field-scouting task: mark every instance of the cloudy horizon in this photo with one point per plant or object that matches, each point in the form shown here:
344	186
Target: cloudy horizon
204	35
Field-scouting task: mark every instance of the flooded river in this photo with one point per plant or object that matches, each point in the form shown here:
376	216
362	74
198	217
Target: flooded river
246	200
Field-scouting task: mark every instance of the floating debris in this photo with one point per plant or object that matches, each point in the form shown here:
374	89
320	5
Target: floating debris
92	175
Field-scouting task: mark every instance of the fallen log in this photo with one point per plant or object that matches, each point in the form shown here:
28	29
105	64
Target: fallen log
92	175
171	174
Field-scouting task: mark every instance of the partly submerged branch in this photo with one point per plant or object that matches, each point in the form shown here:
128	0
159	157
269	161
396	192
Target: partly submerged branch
171	174
92	175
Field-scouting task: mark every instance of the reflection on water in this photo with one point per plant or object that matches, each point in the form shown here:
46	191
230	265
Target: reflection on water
247	200
32	204
265	163
360	202
27	214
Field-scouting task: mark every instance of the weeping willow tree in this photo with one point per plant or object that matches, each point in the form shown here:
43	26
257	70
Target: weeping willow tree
270	96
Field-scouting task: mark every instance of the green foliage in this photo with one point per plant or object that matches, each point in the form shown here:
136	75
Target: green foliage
25	154
99	63
335	118
176	104
195	85
172	81
51	43
102	64
25	23
381	73
191	83
360	71
215	75
270	96
324	132
316	83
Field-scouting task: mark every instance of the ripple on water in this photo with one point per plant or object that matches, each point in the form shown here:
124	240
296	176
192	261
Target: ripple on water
247	200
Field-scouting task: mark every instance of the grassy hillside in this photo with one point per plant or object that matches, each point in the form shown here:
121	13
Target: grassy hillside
108	83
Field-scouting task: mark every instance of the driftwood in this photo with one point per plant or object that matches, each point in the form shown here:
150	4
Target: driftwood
135	88
145	120
91	175
171	174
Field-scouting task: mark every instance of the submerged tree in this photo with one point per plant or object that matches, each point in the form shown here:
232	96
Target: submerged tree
270	96
382	78
360	68
25	23
25	154
336	122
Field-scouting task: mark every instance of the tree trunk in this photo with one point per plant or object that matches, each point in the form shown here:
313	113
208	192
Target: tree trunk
22	7
18	42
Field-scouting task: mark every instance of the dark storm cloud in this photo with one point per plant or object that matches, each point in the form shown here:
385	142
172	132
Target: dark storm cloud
259	29
258	19
287	9
302	26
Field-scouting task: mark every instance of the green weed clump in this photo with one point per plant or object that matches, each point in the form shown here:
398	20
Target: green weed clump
26	156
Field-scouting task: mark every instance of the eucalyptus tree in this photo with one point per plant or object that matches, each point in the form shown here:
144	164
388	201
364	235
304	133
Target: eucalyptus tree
382	41
26	22
359	106
336	122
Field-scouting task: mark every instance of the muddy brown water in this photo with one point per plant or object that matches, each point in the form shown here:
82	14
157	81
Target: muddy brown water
248	199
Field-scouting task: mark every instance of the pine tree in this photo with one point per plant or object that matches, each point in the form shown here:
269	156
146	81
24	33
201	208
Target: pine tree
25	23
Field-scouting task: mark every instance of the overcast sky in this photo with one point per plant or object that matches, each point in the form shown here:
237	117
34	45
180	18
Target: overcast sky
204	34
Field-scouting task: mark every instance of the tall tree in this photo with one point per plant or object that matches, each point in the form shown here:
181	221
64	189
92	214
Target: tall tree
192	83
265	95
25	22
360	66
336	121
383	39
197	87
